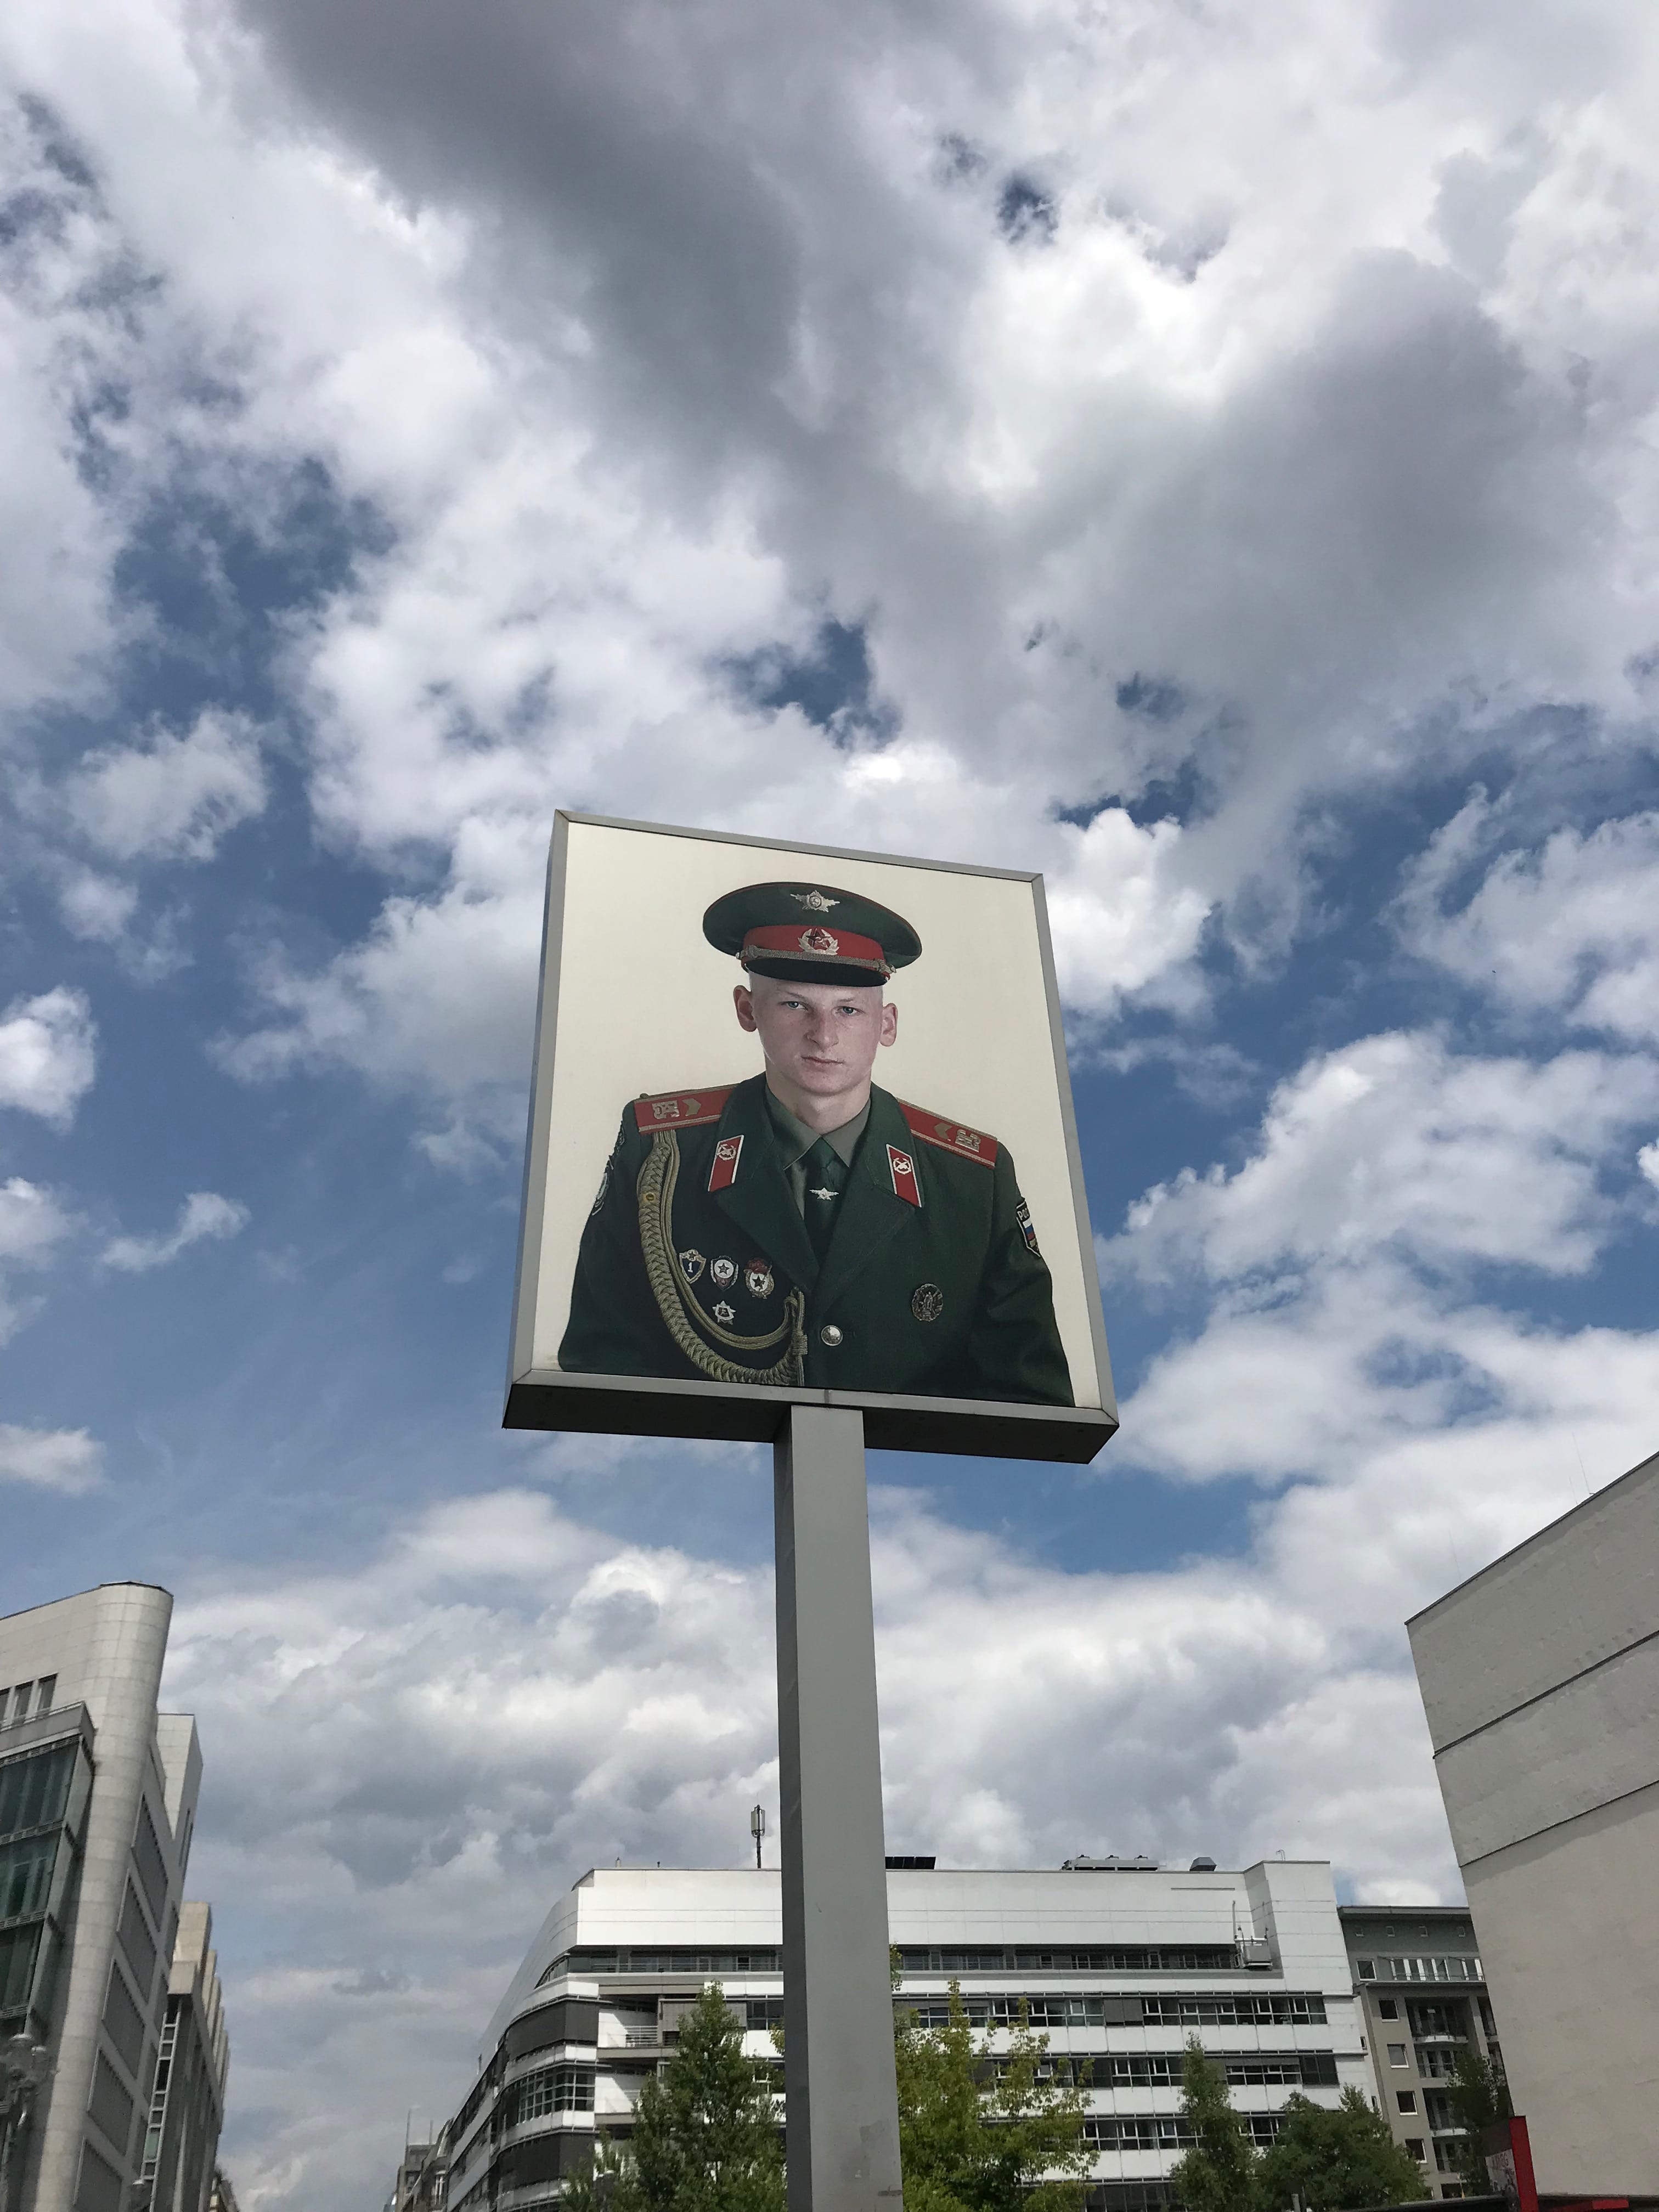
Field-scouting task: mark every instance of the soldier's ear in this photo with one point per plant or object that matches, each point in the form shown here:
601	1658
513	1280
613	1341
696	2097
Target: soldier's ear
888	1022
743	1000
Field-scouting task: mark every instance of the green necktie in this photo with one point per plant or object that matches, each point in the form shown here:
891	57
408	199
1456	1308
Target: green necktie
825	1178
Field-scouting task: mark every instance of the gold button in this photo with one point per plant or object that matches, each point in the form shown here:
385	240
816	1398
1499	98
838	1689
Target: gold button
829	1334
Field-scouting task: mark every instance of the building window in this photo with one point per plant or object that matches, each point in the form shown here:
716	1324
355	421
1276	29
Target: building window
1367	1969
1396	2054
551	2089
46	1691
1387	2009
1414	2149
1407	2100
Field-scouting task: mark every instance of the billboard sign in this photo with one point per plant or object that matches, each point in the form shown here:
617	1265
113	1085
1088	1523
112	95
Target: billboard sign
801	1131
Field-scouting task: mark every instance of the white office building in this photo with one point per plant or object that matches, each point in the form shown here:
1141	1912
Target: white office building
1540	1680
97	1802
1119	1962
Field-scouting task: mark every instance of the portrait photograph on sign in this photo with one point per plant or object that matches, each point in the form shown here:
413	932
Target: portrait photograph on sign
801	1129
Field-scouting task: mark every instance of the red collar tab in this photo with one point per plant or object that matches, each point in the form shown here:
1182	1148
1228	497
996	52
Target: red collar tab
950	1136
840	948
723	1169
902	1169
681	1109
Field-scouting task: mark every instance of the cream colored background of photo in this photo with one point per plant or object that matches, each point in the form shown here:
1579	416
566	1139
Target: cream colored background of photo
645	1005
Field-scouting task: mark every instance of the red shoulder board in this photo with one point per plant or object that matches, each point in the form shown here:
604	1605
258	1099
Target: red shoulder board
682	1109
950	1136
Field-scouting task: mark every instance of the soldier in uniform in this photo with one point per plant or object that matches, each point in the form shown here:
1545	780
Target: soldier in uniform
805	1228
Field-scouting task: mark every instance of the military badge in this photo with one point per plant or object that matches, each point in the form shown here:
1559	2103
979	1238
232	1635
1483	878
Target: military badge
819	940
724	1313
927	1302
815	900
723	1273
723	1173
692	1264
1023	1215
902	1169
758	1280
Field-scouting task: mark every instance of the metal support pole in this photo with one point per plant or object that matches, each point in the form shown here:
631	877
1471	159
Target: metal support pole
843	2144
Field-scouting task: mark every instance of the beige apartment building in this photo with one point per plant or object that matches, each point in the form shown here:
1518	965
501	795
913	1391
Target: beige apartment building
1422	1995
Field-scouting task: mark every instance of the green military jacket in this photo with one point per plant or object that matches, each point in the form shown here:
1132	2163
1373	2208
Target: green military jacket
694	1263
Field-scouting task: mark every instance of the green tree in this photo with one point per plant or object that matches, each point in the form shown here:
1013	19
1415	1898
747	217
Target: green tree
1479	2096
705	2131
1217	2174
979	2132
1333	2159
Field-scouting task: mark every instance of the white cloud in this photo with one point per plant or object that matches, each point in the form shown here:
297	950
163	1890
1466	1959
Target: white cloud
1337	1341
1570	927
47	1054
1270	477
407	1760
1397	1142
203	1214
410	1759
174	797
32	1223
1648	1160
95	905
1316	446
66	1460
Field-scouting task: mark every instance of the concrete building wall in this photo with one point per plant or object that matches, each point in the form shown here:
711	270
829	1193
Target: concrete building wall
106	1648
1541	1681
187	2108
103	1650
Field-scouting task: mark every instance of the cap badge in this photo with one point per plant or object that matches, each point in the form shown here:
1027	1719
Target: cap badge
722	1274
692	1264
757	1279
927	1302
814	900
819	940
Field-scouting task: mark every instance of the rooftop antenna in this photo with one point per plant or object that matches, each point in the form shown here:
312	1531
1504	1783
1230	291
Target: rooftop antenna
758	1830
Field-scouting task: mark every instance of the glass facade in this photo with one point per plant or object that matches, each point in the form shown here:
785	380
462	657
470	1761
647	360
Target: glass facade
43	1797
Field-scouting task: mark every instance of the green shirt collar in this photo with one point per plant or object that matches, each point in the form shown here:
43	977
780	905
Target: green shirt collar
795	1140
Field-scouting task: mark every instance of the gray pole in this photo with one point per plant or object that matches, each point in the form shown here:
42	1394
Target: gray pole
837	2001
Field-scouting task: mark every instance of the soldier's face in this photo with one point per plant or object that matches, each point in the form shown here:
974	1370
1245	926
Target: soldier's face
821	1037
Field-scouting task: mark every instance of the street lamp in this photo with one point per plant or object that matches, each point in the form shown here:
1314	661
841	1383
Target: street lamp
758	1830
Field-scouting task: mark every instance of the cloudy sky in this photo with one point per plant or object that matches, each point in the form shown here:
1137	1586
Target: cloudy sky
1204	451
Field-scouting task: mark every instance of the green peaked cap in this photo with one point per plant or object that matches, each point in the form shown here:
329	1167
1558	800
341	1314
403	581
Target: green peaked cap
811	933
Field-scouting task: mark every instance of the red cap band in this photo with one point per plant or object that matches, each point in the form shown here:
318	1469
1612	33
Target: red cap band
836	948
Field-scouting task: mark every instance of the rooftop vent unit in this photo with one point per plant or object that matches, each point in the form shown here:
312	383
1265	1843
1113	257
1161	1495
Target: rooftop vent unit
1202	1866
1110	1864
911	1862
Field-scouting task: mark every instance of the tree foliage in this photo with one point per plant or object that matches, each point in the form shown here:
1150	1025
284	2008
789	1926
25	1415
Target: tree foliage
705	2131
1336	2158
1218	2173
979	2132
1479	2096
